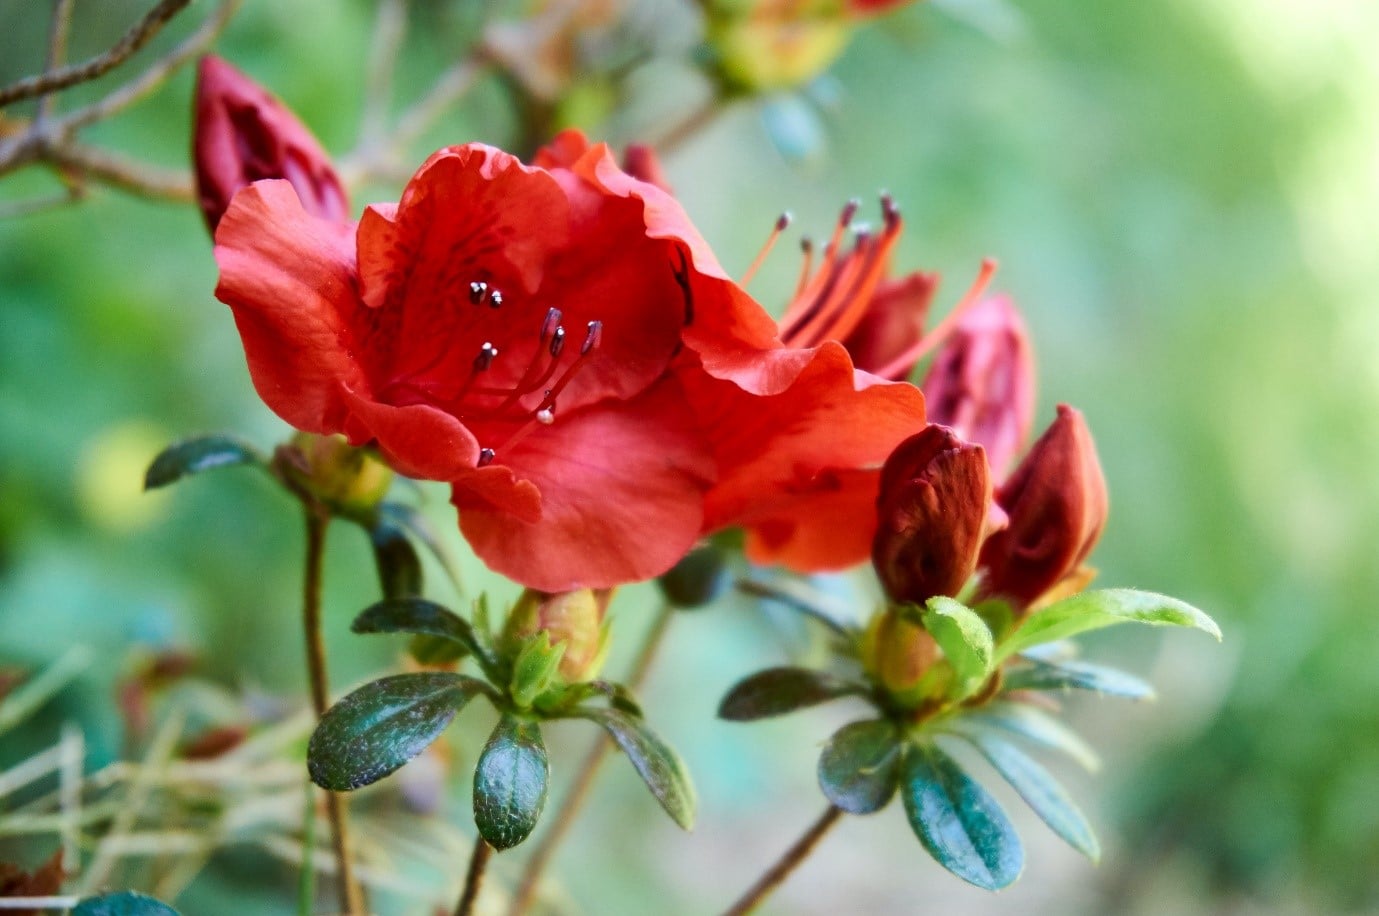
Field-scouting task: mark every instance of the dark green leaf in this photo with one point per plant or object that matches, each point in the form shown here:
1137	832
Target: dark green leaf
965	640
1040	791
1037	675
426	618
777	691
510	783
859	766
961	826
419	526
659	766
192	456
125	903
382	725
1029	723
399	567
699	578
1103	608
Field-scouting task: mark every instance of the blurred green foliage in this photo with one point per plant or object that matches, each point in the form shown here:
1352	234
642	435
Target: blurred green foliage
1181	196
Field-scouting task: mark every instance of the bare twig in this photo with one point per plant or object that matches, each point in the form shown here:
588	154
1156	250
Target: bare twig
127	174
57	52
796	854
138	36
18	208
388	32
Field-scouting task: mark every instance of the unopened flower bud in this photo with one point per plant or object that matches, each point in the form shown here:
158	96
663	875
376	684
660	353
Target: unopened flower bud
243	134
572	618
350	481
1056	504
931	512
896	652
641	162
773	45
982	381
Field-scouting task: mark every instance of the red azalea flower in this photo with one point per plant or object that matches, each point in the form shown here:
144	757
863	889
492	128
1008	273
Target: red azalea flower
242	134
509	329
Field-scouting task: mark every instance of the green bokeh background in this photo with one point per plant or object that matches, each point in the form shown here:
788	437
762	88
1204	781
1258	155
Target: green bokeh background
1182	197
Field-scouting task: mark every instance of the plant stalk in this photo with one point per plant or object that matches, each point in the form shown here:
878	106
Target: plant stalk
777	874
474	878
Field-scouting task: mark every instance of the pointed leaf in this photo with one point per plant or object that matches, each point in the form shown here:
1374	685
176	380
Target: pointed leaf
1103	608
510	782
619	696
1040	791
384	724
192	456
419	526
399	567
859	766
777	691
965	640
658	765
125	903
426	618
961	826
1037	675
1029	723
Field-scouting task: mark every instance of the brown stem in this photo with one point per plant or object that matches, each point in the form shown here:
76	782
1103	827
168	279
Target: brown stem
584	778
351	898
796	854
478	862
138	36
57	51
127	174
679	133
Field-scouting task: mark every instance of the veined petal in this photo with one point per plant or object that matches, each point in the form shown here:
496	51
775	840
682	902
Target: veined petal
418	440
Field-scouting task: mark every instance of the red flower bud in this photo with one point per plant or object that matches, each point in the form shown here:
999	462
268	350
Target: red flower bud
982	381
1056	503
641	162
573	618
243	134
931	512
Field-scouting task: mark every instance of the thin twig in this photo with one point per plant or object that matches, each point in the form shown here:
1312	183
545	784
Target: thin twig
474	878
57	53
138	36
389	29
18	208
584	778
127	174
696	121
72	752
789	862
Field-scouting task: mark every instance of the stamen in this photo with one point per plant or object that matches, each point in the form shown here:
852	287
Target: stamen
487	354
495	300
550	325
477	290
486	456
592	338
782	222
935	337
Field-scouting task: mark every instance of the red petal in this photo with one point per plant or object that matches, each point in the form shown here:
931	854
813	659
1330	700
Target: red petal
893	323
289	278
417	441
789	536
621	494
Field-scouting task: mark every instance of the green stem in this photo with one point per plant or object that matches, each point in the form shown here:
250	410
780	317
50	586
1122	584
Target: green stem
317	520
796	854
474	878
584	778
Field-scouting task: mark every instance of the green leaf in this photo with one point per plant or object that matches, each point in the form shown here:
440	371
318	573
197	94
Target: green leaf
777	691
125	903
1070	675
965	640
399	567
860	765
1040	791
1103	608
619	696
1029	723
535	669
961	826
192	456
426	618
419	526
658	765
384	724
510	782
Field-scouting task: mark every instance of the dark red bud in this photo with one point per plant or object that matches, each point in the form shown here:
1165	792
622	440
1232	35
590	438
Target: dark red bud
243	134
1056	504
982	381
641	162
931	513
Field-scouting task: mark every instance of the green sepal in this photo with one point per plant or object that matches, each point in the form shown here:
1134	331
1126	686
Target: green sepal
124	903
860	766
957	821
192	456
618	696
429	619
965	640
536	669
1033	674
655	761
1103	608
384	724
399	567
1030	723
777	691
510	782
1039	790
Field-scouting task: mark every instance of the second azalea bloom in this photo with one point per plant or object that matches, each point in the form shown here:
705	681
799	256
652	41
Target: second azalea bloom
525	333
1056	504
